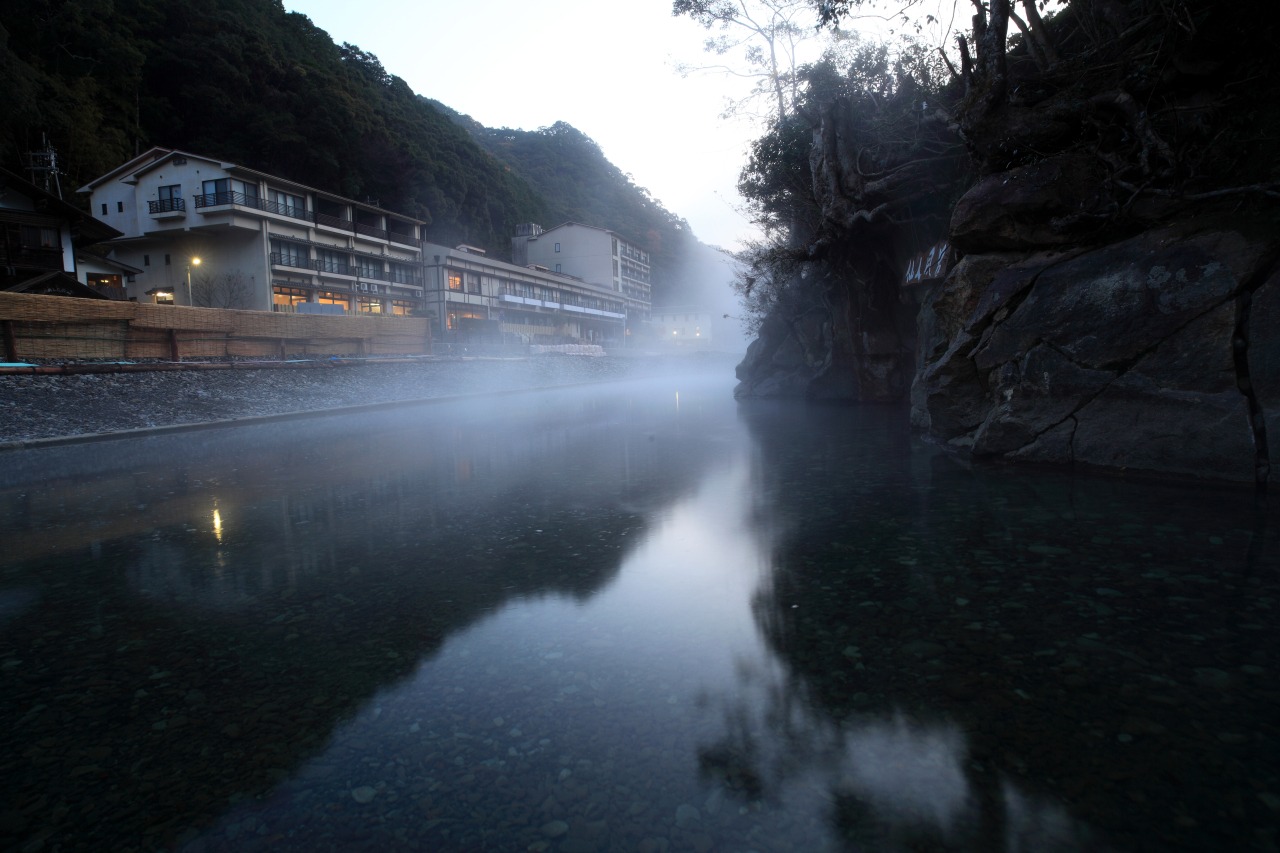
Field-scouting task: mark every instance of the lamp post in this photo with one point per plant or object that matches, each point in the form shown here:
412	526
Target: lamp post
194	262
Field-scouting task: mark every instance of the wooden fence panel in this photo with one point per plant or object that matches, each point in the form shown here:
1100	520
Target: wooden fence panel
64	327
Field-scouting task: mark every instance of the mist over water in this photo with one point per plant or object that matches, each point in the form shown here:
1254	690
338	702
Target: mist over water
638	616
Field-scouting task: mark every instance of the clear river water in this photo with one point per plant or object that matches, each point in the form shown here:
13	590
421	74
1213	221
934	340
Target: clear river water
628	617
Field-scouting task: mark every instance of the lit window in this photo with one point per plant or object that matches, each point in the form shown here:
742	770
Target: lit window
455	281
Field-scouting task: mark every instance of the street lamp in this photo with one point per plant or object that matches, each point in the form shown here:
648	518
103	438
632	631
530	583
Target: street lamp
194	262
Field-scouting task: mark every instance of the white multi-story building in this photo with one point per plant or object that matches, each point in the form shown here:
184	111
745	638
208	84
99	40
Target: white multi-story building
475	297
595	255
212	233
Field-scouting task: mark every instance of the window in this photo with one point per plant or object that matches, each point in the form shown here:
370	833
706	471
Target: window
104	208
558	268
328	297
38	237
473	283
287	299
455	280
227	191
168	199
104	280
328	260
288	254
119	207
557	248
402	274
370	268
166	260
454	317
146	260
217	191
289	205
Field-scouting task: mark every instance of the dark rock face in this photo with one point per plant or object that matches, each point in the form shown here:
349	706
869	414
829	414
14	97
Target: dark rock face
834	354
1046	204
1115	295
1124	355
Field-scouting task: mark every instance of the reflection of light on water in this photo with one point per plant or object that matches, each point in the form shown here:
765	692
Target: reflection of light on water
217	525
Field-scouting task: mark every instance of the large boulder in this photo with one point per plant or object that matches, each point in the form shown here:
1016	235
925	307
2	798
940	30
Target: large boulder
1260	341
1050	203
1122	356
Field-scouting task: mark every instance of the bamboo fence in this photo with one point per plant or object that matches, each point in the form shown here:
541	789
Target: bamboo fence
45	327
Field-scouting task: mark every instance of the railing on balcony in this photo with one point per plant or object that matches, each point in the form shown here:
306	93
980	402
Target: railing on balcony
403	239
224	198
335	222
167	205
281	259
405	278
333	267
371	231
373	274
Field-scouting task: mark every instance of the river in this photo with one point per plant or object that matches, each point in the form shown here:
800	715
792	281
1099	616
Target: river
628	617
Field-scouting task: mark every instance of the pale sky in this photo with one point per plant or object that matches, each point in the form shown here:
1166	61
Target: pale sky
605	67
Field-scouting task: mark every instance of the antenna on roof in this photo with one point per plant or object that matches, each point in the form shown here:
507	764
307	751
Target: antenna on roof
43	166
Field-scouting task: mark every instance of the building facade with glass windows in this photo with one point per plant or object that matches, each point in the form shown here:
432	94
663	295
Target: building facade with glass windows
593	254
478	299
214	234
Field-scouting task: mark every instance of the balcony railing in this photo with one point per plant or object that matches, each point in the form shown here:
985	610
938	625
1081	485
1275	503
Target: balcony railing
167	205
335	222
372	274
332	221
296	261
371	231
335	267
224	198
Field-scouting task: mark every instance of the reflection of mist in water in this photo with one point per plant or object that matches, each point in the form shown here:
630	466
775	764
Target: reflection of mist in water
912	774
891	780
891	783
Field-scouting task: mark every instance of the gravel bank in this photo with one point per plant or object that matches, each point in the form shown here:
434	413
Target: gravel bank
48	406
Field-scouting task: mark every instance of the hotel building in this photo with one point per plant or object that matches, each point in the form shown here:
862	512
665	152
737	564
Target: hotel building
475	297
210	233
595	255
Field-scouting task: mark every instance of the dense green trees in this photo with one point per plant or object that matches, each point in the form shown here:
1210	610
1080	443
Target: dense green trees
246	81
567	168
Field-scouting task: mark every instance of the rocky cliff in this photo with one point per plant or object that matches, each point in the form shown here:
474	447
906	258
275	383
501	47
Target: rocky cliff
1113	293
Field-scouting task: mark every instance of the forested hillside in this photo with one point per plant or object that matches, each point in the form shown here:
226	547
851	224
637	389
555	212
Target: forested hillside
249	82
568	170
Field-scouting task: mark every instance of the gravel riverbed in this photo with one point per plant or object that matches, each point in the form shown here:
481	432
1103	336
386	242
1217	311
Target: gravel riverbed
55	405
